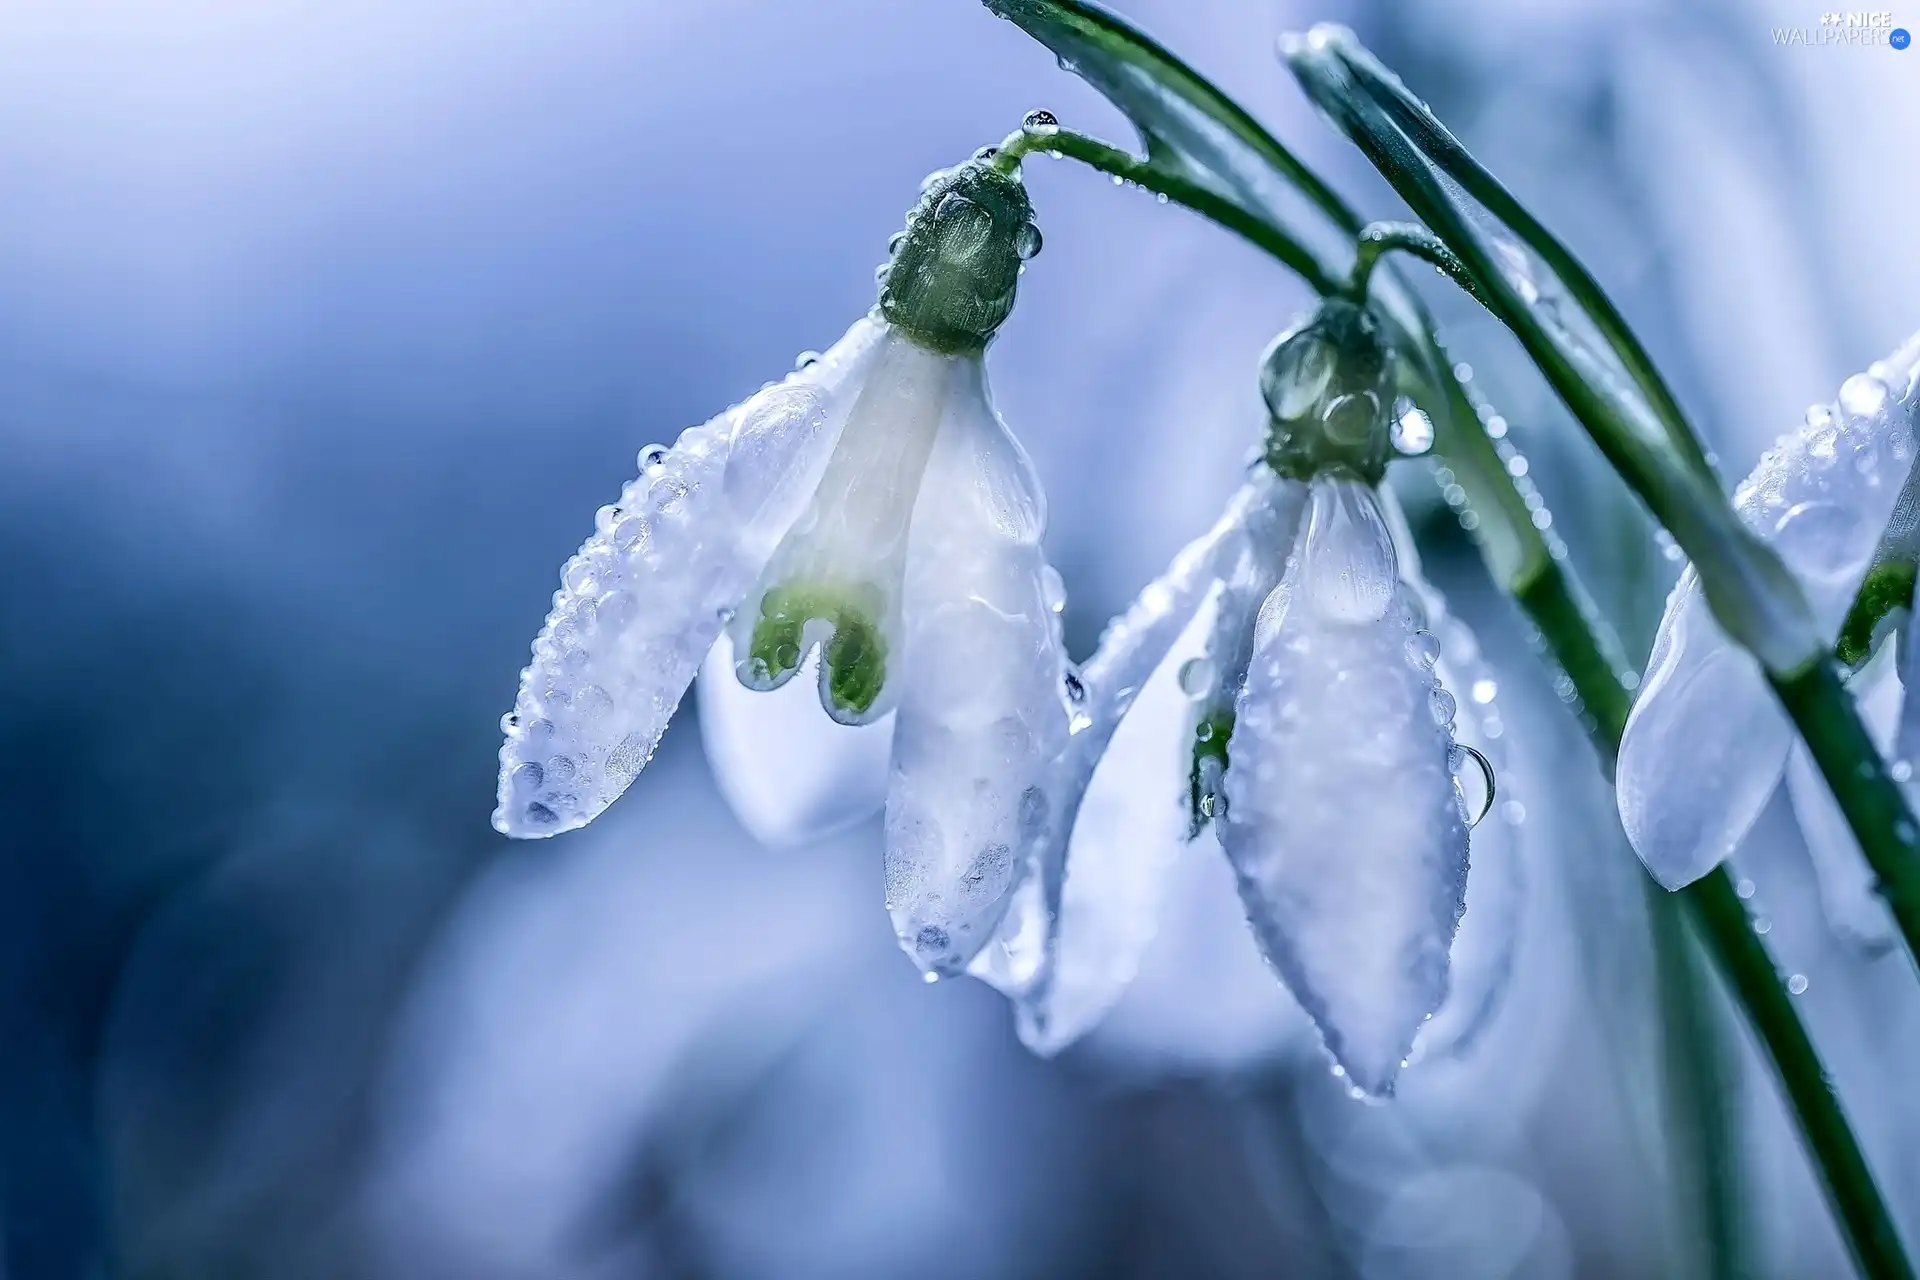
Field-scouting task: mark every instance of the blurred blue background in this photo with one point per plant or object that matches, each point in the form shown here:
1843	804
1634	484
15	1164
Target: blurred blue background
323	330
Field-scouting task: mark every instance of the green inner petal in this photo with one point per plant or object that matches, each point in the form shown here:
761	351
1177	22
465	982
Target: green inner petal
1889	586
855	656
1204	779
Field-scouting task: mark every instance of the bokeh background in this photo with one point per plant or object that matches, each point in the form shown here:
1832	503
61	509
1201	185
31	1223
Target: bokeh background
324	327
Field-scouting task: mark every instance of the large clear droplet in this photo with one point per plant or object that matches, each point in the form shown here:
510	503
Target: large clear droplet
1196	677
1473	775
1412	433
1040	123
1348	559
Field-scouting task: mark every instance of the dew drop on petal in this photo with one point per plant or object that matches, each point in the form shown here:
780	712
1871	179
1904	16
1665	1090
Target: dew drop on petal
1196	677
1423	648
1040	122
1863	396
1053	588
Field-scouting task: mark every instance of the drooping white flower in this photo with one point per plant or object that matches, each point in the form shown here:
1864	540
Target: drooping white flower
1706	742
1279	665
868	519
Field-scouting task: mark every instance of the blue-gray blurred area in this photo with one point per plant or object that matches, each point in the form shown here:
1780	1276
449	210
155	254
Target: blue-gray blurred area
324	327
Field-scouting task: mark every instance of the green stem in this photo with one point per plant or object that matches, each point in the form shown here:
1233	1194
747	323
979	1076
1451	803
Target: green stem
1722	920
1380	238
1874	803
1181	190
1698	1083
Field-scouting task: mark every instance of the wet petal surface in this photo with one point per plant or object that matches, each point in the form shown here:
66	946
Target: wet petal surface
643	599
982	714
1344	824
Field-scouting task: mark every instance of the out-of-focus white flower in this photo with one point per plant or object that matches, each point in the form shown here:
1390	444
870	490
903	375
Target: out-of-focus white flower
872	508
1277	685
1707	743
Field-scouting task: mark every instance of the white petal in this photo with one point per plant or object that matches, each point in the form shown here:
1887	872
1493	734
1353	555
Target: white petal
982	712
1853	907
791	774
641	602
1481	962
1133	651
1704	745
1706	742
1345	825
1482	958
1130	827
836	580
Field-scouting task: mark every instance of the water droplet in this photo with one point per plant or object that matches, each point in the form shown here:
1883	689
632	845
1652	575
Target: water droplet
509	722
1901	771
540	815
1040	122
1423	648
1205	731
527	777
932	180
1821	443
605	518
929	978
1053	589
593	702
1351	419
1350	569
1027	241
1442	705
1412	433
1762	925
1743	890
1338	1072
629	533
579	578
1797	984
1863	396
1196	677
1473	777
652	459
805	360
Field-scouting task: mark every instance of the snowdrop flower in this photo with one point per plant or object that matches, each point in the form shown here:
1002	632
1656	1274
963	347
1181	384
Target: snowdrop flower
873	509
1707	743
1277	685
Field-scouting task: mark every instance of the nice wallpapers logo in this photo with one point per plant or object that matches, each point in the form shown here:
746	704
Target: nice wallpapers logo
1869	29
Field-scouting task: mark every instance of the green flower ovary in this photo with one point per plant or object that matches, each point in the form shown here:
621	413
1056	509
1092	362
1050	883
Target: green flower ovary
1208	767
1889	586
856	655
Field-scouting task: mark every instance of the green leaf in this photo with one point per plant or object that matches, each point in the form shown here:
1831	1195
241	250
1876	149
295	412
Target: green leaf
1572	333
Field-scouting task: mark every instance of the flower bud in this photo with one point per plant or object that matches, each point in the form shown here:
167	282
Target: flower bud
951	280
1328	387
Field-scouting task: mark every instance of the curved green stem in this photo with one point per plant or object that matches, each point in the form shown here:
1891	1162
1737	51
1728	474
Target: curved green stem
1178	188
1377	239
